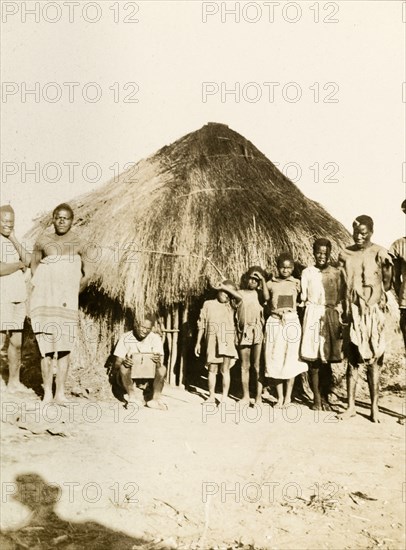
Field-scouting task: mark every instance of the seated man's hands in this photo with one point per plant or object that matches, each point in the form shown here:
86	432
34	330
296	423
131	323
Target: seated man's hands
156	359
128	362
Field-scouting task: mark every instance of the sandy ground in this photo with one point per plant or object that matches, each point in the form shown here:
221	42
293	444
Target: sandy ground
197	476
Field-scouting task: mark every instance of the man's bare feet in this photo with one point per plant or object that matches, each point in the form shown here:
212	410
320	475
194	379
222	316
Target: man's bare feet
286	403
47	397
157	404
278	404
325	405
375	415
132	397
317	407
60	398
349	413
16	387
210	399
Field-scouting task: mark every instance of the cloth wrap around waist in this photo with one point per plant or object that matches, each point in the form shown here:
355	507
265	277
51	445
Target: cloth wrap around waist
54	302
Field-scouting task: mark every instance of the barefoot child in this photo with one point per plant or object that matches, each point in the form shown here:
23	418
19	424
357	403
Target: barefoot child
321	342
216	324
282	331
250	325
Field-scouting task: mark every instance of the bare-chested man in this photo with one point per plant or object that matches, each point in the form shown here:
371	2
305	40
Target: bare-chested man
367	270
14	260
141	340
59	275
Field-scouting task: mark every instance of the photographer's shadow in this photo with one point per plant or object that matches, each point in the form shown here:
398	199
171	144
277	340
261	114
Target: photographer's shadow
45	529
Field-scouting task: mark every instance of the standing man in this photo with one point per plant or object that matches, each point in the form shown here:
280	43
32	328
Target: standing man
141	340
59	275
398	251
367	270
14	260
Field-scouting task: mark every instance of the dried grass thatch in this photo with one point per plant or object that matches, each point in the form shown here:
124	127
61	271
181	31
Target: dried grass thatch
210	200
206	207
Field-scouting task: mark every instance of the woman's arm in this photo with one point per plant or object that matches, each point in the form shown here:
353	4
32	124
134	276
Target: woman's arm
8	269
36	256
25	256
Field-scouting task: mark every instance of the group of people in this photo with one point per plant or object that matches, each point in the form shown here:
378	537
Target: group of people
58	270
341	314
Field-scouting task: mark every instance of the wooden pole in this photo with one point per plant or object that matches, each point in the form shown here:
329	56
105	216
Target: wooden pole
175	337
168	326
183	350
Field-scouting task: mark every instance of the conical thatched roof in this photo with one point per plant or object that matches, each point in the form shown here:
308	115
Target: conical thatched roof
211	194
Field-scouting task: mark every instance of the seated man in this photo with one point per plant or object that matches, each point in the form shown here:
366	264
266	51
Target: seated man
141	340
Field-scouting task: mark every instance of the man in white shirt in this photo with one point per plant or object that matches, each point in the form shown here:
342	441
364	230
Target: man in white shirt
141	340
14	260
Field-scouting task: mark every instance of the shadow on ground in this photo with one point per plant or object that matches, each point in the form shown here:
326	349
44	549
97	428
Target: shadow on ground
45	529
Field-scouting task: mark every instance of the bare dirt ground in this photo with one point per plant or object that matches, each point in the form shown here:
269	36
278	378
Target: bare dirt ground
95	475
194	476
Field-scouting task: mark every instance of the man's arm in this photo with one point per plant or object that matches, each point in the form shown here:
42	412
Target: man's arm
397	275
387	276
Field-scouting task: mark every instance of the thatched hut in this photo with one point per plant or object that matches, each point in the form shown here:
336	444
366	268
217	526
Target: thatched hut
206	207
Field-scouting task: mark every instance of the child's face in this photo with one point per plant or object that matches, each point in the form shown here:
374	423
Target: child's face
223	297
285	269
322	256
253	283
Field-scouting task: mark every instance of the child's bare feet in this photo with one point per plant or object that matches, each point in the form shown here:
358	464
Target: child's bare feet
349	413
244	402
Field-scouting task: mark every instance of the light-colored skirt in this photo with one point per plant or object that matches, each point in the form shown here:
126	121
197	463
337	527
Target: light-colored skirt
321	334
12	316
54	303
281	347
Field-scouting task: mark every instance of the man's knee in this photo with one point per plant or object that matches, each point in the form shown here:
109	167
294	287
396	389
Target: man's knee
160	372
125	373
16	338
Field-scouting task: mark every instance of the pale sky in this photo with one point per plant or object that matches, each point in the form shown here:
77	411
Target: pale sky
335	103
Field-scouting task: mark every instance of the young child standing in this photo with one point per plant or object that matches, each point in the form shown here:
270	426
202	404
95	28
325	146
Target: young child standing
250	326
283	331
322	292
216	323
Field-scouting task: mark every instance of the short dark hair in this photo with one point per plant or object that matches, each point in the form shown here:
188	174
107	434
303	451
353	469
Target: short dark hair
284	257
403	205
321	242
7	208
149	316
363	220
255	269
62	206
